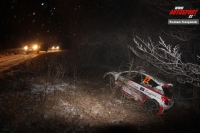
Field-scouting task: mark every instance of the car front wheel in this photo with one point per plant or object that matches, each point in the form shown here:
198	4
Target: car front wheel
151	106
109	79
112	82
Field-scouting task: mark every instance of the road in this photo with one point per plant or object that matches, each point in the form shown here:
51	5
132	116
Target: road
6	62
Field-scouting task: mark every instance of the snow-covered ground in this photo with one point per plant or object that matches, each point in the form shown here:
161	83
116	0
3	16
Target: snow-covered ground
36	104
88	104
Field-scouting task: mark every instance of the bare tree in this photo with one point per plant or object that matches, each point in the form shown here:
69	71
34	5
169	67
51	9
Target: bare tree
167	59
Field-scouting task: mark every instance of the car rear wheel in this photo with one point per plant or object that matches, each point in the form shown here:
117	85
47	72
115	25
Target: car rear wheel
151	106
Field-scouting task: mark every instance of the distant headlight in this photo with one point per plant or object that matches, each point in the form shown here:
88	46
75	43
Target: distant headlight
57	47
53	47
26	47
35	47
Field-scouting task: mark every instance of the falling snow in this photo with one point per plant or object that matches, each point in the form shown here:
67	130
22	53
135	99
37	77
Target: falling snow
75	22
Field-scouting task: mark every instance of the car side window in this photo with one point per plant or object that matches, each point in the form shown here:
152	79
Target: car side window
136	77
148	81
153	83
131	76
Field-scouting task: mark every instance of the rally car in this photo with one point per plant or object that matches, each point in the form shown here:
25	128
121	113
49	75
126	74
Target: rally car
153	93
54	47
35	48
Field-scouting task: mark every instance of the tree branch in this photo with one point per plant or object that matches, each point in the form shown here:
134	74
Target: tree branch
167	59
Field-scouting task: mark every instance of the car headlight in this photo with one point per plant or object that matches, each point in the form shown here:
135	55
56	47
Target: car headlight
35	47
57	47
26	47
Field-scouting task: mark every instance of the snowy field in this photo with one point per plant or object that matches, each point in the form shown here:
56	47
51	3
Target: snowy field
79	101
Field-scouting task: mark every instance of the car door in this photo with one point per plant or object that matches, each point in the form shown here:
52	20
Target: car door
131	88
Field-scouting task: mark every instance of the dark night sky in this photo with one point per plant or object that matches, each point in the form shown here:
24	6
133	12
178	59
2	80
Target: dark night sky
69	21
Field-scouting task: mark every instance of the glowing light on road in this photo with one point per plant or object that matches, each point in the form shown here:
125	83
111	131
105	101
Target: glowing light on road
35	47
26	47
55	47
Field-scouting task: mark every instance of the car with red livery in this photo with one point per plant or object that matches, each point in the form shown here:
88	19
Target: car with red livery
150	91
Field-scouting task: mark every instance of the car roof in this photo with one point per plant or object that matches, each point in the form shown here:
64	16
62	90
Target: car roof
153	77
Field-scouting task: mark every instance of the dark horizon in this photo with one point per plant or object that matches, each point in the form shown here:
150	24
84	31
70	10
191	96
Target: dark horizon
70	23
67	22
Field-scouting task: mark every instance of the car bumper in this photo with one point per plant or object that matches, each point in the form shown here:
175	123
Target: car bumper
29	50
165	108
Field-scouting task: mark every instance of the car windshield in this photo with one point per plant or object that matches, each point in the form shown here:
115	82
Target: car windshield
132	76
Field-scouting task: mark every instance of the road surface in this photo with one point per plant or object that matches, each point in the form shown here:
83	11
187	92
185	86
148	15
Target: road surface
6	62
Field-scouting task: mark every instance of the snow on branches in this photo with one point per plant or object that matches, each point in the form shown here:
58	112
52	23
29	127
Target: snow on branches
167	58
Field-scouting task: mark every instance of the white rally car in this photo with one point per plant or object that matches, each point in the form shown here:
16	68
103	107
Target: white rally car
148	90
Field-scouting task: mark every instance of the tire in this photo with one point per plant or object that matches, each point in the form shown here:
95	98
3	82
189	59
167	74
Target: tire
112	82
109	79
151	106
